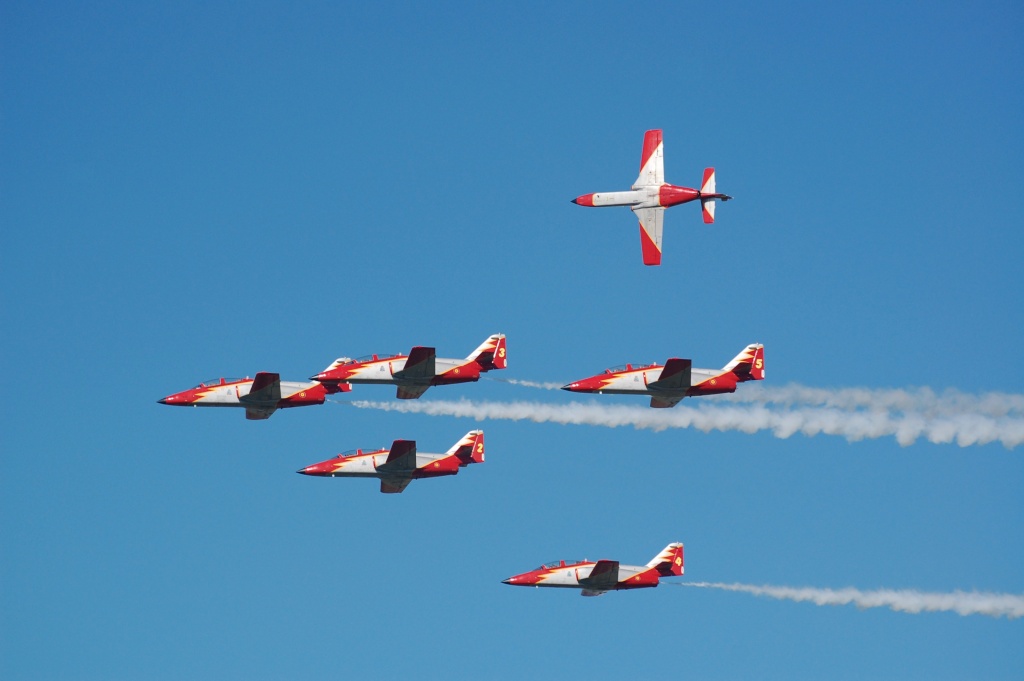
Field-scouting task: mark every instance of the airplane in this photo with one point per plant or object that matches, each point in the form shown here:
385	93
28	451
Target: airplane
669	384
261	396
400	465
650	195
597	579
417	371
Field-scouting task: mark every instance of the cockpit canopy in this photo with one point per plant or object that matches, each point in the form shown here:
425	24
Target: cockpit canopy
629	367
558	563
213	382
356	452
374	358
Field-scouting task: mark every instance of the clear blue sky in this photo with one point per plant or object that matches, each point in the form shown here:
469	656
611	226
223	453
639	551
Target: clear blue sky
219	188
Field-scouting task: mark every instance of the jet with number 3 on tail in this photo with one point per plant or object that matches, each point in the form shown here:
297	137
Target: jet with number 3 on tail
417	371
651	195
261	396
600	577
400	465
669	384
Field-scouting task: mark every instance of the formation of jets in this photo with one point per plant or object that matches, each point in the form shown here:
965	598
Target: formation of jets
417	371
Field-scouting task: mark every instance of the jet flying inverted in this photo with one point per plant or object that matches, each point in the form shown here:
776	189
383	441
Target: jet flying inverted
261	396
400	465
669	384
417	371
651	195
598	578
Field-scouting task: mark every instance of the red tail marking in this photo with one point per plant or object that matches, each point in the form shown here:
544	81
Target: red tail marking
500	361
708	173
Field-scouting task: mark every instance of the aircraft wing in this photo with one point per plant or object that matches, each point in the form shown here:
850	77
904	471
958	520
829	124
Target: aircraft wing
666	401
401	458
259	413
394	485
674	376
265	390
652	161
604	576
589	592
411	392
419	366
651	220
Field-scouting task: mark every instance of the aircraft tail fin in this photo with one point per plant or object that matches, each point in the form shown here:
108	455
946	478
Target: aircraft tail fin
670	561
749	364
491	354
470	449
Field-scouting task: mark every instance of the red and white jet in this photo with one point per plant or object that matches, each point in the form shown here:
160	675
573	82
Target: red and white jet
651	195
598	578
417	371
669	384
261	396
400	465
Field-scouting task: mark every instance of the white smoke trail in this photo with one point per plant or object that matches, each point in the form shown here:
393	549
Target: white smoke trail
543	385
903	400
964	429
1010	606
906	400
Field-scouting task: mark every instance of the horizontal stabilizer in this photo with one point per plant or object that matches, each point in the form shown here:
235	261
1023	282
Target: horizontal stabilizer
419	366
402	457
605	575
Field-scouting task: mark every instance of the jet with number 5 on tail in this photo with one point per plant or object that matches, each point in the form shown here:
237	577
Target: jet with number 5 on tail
402	464
669	384
417	371
651	195
261	396
598	578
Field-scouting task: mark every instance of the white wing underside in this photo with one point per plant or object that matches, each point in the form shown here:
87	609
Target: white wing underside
651	220
653	172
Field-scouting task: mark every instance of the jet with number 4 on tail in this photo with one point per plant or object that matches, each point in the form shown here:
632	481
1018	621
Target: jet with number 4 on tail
600	577
261	396
651	195
402	464
417	371
669	384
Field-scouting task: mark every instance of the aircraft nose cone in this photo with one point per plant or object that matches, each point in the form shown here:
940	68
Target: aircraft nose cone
162	400
507	581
